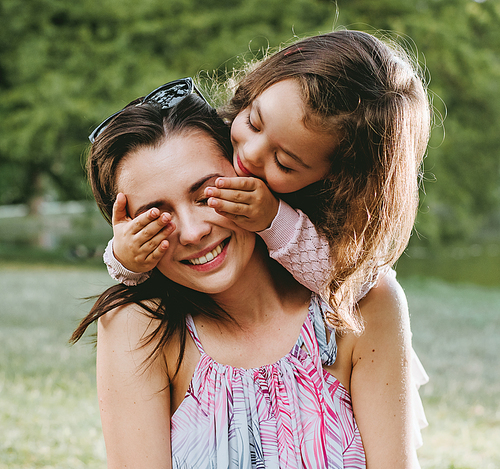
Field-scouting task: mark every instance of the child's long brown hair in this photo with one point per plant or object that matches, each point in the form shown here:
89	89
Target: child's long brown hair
372	97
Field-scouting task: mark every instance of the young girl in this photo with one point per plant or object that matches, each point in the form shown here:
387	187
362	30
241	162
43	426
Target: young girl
342	115
337	125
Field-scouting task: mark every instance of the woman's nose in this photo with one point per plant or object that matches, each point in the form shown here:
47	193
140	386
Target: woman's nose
192	227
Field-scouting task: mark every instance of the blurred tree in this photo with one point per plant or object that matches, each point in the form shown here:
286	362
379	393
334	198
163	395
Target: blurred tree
64	66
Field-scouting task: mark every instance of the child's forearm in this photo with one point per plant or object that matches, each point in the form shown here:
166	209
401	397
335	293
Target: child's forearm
118	272
294	242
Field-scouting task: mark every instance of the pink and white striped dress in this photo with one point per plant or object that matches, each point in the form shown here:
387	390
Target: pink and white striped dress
290	414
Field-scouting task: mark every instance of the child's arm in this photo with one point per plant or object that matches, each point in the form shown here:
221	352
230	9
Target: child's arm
290	236
138	244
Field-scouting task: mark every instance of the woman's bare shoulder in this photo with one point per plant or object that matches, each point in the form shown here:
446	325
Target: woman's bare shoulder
385	302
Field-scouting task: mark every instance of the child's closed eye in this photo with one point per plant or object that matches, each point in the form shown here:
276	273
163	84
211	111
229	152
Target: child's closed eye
281	167
250	125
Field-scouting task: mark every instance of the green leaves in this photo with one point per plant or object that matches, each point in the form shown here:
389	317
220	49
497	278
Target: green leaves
64	66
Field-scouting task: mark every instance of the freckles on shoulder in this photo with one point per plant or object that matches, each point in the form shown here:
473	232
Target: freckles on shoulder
386	322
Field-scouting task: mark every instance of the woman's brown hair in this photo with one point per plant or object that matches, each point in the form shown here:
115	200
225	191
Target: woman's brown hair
148	125
371	96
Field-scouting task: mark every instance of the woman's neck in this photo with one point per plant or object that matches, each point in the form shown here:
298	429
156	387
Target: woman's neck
268	308
264	289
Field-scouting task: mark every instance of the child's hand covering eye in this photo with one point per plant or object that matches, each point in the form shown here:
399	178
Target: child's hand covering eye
139	243
245	200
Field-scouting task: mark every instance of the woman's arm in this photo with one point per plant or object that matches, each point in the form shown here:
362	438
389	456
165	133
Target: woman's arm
134	399
380	381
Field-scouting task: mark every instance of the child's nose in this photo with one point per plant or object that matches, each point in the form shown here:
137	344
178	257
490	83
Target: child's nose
258	152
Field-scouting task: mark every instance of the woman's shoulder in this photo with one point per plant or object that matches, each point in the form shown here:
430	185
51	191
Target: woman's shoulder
127	319
129	333
386	300
385	315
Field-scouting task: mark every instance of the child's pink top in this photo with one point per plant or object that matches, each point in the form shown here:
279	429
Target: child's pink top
289	414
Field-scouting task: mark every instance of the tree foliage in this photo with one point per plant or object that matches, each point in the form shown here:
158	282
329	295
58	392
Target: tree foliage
64	66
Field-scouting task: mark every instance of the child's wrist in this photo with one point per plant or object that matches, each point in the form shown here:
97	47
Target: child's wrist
120	273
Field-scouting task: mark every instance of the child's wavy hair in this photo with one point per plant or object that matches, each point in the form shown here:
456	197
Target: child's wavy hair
373	97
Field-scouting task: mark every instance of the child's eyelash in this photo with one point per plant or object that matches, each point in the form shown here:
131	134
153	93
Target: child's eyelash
249	123
280	166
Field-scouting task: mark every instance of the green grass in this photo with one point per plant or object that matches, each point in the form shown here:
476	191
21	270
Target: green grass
456	333
49	415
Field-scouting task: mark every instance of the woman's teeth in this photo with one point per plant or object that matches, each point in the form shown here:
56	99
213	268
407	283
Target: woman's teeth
208	256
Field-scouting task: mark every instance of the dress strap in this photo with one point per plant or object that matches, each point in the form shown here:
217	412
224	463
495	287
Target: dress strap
327	348
193	333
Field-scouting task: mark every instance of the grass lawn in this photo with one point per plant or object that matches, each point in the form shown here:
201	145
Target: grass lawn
49	414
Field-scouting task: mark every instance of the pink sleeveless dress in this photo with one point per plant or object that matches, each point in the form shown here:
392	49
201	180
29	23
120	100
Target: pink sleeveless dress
289	414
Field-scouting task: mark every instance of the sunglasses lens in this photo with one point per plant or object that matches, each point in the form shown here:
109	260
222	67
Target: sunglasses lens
170	95
166	96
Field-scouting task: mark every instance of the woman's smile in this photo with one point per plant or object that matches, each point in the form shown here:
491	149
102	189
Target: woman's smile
211	259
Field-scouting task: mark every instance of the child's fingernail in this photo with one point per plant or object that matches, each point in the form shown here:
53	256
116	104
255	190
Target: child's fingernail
164	217
154	212
219	182
209	192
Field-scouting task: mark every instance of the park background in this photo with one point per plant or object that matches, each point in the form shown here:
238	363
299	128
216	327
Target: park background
64	66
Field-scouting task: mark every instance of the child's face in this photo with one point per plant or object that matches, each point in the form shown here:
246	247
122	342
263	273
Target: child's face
272	143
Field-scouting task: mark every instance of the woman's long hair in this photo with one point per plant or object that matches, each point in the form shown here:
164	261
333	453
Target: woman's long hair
148	125
372	98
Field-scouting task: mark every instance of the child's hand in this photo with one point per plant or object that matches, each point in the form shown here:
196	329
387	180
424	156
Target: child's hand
139	243
245	200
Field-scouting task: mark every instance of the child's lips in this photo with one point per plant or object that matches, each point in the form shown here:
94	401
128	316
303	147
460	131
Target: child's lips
242	168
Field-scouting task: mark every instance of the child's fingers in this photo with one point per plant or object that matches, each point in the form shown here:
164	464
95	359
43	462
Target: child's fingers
237	183
227	208
230	195
151	244
120	209
160	250
149	223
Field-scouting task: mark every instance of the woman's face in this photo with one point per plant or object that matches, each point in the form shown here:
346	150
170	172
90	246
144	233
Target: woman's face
272	143
206	252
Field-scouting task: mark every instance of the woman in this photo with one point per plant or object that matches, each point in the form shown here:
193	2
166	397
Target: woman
221	359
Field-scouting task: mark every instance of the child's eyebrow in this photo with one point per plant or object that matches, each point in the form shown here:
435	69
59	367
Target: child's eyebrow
294	157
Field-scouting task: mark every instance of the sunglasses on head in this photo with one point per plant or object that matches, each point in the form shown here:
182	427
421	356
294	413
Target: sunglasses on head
167	96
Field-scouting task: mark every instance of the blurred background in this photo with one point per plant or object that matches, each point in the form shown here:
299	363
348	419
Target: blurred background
64	66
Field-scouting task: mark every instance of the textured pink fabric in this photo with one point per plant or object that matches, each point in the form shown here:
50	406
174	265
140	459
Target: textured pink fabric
289	414
293	241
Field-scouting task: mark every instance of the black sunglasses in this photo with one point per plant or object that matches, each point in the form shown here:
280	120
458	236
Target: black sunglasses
166	96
